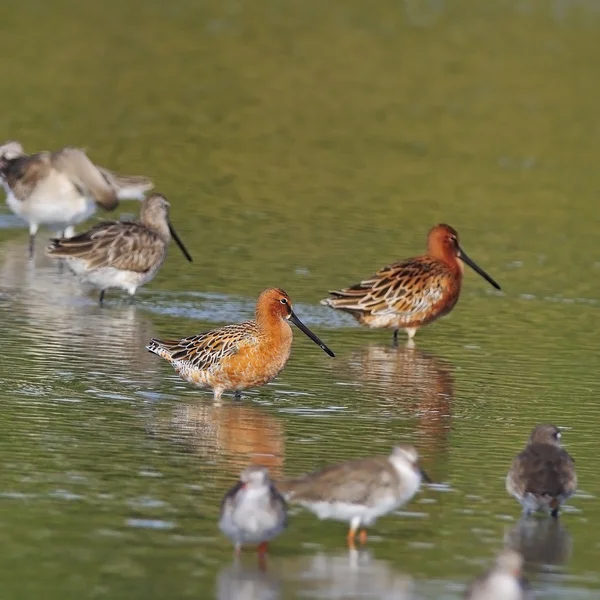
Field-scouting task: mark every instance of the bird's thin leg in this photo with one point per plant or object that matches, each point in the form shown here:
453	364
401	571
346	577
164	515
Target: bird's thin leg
101	299
32	231
395	342
262	548
237	395
237	549
362	536
352	533
262	555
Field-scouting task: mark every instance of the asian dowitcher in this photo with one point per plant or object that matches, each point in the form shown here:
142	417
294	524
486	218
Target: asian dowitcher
542	477
504	581
413	292
239	356
121	254
61	189
253	511
359	491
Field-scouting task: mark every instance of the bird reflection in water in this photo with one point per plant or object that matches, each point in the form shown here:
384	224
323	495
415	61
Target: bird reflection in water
235	433
352	575
241	582
59	321
542	542
415	382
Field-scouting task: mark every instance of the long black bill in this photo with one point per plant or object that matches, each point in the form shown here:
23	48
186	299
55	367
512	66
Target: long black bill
304	329
475	268
179	243
425	477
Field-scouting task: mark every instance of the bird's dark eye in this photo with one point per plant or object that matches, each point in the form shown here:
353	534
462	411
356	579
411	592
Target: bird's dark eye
283	301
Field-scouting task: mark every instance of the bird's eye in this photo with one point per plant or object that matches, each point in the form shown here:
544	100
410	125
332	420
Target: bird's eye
283	301
557	435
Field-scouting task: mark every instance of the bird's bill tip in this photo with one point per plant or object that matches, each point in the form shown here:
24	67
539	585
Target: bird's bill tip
468	261
179	242
304	329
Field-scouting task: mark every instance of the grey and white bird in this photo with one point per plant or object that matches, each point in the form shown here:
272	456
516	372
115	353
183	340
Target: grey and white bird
253	511
121	254
542	477
358	492
61	189
505	581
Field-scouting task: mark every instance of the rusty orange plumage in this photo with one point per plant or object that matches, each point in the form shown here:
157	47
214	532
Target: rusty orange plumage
413	292
240	356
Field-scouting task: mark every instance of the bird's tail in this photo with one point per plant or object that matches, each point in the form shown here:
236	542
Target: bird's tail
127	187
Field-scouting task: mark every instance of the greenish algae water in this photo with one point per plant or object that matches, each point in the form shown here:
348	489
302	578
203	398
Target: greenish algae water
303	145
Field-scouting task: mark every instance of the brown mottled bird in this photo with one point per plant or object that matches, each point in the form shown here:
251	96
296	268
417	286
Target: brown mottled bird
61	189
413	292
242	355
121	254
542	477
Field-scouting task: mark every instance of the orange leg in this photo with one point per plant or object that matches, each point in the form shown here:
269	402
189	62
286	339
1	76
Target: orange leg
262	548
362	537
350	537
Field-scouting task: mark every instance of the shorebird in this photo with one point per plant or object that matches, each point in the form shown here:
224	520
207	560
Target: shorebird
61	189
503	582
413	292
121	254
253	511
240	356
542	477
359	491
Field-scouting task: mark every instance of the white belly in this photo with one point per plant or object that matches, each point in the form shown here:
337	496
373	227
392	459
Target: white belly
55	202
105	278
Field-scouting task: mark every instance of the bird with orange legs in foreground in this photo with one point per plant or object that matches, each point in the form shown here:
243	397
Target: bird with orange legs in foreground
253	511
413	292
240	356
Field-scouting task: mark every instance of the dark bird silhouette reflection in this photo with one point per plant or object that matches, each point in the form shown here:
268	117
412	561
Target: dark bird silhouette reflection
415	382
543	542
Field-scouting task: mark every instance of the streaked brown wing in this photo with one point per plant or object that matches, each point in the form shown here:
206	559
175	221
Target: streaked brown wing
208	349
407	289
351	481
119	244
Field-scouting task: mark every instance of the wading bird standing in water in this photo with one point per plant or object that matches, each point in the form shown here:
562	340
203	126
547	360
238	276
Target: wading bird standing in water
121	254
240	356
61	189
413	292
542	477
358	492
253	511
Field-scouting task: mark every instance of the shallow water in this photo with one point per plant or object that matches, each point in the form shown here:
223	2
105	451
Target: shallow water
303	145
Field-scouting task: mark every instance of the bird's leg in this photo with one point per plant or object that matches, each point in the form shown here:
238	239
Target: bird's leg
262	548
350	539
101	299
32	231
362	537
217	393
237	549
237	395
554	513
262	555
395	342
352	533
